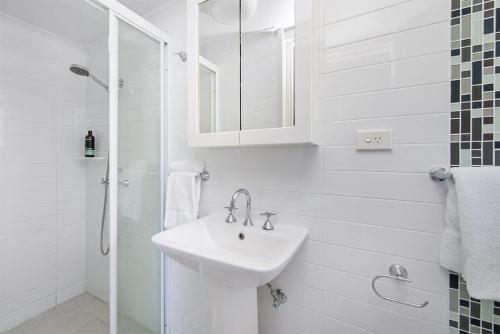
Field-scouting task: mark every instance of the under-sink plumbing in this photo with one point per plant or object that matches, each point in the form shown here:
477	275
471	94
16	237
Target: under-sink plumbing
279	296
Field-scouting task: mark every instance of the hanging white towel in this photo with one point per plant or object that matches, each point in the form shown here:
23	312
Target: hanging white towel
471	238
196	166
183	198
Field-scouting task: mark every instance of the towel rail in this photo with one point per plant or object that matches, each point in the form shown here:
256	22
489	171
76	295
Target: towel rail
204	176
440	174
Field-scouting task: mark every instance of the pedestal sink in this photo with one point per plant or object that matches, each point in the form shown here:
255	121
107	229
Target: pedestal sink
235	260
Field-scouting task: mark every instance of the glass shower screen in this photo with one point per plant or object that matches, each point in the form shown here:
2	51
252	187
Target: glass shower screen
139	181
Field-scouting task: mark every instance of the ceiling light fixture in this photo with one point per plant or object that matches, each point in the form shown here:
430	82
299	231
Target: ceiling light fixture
226	11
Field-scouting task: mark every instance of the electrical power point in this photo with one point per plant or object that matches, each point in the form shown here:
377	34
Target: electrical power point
374	140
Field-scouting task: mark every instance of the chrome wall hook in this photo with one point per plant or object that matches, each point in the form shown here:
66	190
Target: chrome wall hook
397	272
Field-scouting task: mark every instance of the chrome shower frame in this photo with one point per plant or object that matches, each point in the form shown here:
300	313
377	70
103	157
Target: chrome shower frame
116	11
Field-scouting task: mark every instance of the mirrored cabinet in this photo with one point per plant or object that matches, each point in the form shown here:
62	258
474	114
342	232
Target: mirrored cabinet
249	72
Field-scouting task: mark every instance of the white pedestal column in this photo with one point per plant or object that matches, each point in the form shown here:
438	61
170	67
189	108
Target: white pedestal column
234	311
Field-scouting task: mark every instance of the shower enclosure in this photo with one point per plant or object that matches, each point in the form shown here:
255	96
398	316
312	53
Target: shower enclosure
56	233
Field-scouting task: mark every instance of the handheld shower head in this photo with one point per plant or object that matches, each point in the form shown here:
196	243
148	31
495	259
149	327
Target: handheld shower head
79	70
83	71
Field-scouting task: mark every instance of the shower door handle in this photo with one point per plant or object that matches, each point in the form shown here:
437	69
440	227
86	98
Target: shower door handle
125	183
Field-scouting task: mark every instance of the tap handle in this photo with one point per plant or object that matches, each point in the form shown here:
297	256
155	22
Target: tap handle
268	214
231	209
268	226
230	217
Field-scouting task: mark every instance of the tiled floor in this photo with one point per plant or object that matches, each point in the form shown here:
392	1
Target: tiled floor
84	314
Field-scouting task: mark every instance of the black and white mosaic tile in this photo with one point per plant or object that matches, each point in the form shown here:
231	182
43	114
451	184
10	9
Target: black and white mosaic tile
470	315
475	130
475	83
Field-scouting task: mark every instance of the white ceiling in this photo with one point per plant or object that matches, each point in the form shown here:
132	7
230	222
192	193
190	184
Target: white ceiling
74	20
143	7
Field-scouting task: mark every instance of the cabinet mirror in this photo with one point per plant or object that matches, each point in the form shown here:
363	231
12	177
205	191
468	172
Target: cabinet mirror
246	65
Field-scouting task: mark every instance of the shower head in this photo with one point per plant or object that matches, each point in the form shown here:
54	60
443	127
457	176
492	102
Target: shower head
79	70
83	71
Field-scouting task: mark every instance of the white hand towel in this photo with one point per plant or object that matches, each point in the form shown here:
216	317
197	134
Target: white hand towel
183	198
471	238
196	166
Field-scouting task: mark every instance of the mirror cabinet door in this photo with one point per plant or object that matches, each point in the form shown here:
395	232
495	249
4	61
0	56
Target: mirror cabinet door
219	66
267	64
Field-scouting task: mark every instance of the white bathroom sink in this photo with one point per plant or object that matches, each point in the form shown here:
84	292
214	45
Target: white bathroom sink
232	254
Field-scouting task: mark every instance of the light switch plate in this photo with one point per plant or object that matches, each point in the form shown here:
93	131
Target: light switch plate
374	140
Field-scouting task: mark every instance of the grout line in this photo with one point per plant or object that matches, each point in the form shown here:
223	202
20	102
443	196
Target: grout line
361	67
395	117
321	29
323	243
320	122
347	323
380	227
383	90
398	32
391	89
386	310
323	24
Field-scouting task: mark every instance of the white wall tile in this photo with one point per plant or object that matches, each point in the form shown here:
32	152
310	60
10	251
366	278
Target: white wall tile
425	275
432	69
337	10
42	213
402	158
409	43
406	15
359	288
364	210
331	325
374	318
405	130
384	240
417	187
418	216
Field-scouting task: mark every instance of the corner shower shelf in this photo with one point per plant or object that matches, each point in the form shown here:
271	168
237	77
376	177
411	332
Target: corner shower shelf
94	158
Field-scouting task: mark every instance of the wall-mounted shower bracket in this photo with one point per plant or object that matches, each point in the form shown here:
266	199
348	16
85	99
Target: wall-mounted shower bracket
182	55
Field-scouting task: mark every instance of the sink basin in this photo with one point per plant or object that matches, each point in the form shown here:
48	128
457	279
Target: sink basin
232	254
235	260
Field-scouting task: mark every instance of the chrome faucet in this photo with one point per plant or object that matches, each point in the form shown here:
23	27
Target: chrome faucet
232	207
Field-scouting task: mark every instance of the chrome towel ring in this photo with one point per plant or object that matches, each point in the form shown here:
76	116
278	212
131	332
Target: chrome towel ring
397	272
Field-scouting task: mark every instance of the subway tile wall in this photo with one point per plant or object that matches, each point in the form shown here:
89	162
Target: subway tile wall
42	175
379	64
475	130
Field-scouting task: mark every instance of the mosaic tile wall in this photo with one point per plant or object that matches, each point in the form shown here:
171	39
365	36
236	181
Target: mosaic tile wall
475	85
475	129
